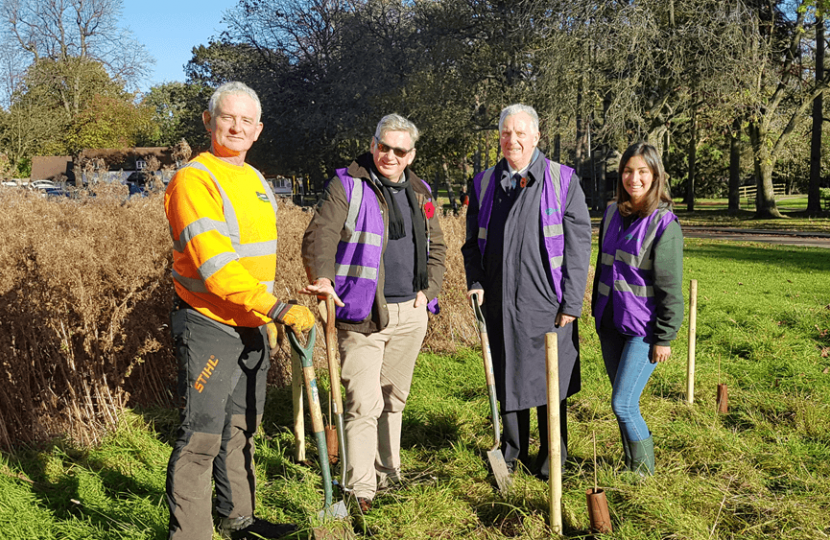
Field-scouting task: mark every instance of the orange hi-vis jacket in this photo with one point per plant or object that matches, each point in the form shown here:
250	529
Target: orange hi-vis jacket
223	220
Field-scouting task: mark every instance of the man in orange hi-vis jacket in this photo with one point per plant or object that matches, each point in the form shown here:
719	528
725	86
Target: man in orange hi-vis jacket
223	220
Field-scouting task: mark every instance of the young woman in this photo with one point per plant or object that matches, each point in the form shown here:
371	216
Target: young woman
638	298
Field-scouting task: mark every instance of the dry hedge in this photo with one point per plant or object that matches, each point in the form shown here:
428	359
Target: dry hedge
85	293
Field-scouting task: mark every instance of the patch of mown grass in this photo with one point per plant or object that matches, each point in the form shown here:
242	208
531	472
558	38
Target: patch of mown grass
760	471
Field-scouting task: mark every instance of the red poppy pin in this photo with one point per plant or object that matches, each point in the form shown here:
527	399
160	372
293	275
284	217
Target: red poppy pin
523	183
429	209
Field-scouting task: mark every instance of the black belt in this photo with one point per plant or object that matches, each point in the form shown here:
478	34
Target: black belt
178	303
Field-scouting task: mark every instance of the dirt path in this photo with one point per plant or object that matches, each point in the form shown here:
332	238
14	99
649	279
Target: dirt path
789	238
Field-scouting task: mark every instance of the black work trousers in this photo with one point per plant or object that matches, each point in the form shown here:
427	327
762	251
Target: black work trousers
516	437
221	385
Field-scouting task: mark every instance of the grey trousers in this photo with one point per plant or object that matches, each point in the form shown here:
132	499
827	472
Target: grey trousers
221	384
377	375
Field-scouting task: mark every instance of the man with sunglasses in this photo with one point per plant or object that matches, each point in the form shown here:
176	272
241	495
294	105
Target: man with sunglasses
375	245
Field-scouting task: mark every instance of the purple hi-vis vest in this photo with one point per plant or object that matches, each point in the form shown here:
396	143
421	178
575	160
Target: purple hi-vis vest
551	210
357	262
626	272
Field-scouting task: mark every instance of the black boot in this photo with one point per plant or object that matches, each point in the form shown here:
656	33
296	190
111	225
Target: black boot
251	528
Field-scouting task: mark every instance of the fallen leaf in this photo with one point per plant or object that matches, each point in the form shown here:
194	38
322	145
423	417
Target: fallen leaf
826	370
739	283
825	352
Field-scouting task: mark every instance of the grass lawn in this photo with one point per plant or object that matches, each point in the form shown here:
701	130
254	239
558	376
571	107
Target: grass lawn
760	471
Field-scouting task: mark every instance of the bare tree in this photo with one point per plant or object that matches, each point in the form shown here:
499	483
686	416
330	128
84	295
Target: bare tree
12	68
783	93
643	70
63	29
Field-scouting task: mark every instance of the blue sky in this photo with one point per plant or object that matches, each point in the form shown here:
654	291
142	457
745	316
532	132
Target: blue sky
169	29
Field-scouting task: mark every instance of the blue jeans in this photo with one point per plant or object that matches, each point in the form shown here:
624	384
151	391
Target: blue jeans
628	363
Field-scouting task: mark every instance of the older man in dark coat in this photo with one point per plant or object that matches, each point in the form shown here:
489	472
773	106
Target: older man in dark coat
526	254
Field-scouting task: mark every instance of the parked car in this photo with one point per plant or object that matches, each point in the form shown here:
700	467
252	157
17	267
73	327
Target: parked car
43	184
56	192
139	191
139	183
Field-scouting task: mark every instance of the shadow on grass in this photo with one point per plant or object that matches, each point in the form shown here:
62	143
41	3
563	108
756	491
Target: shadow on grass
430	430
113	507
525	510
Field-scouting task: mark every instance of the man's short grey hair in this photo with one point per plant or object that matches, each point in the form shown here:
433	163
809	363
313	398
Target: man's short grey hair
517	108
396	122
233	88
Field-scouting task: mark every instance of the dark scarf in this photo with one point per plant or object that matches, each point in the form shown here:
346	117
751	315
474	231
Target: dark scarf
396	222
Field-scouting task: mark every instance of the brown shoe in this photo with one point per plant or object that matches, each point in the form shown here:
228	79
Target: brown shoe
364	504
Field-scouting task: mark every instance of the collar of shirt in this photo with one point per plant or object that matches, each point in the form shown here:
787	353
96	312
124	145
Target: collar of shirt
508	173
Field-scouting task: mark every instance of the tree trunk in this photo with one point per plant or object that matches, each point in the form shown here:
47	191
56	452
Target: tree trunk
450	192
813	193
690	184
656	138
765	207
481	155
603	196
581	134
487	152
735	167
557	148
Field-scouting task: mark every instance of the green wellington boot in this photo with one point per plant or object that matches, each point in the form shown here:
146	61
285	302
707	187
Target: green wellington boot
642	456
626	451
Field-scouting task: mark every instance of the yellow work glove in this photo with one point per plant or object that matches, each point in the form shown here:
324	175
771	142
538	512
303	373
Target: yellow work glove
298	317
273	334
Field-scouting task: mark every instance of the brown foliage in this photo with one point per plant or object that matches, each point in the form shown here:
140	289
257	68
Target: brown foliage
85	294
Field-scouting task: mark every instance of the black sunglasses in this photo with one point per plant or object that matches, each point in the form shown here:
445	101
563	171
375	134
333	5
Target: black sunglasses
383	148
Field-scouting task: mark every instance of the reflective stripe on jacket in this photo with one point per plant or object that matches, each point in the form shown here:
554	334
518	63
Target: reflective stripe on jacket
359	252
554	194
224	229
626	270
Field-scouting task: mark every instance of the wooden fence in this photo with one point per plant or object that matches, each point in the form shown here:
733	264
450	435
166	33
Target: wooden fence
749	192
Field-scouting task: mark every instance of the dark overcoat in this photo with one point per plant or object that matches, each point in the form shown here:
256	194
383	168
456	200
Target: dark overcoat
520	305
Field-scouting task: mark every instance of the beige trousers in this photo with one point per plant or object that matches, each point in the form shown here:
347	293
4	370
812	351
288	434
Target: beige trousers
377	375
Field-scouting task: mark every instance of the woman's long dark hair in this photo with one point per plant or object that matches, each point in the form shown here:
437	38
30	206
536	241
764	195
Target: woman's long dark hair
656	194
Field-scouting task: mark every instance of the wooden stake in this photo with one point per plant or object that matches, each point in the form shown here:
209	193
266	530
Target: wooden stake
690	366
594	440
554	431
